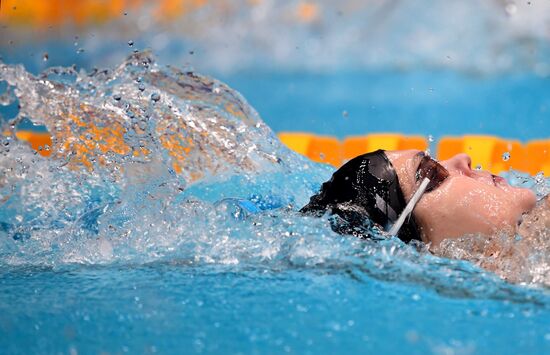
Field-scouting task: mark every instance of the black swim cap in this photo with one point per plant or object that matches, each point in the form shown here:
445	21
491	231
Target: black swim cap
364	189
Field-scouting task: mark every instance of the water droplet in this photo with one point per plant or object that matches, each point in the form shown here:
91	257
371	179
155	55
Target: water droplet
539	178
130	43
155	97
117	97
511	9
506	156
345	114
45	57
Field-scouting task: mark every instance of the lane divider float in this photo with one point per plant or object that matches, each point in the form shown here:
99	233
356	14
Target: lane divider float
487	152
490	153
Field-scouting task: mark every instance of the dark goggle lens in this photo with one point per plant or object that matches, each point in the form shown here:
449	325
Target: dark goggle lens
429	168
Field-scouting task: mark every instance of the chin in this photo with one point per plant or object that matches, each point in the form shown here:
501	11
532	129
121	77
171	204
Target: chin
524	199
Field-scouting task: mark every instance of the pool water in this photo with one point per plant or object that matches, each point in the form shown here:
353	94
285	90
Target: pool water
173	307
436	102
148	249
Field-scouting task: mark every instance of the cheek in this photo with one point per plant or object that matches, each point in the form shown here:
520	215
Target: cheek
465	207
451	216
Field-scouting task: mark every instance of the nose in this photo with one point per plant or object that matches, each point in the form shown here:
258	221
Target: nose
461	163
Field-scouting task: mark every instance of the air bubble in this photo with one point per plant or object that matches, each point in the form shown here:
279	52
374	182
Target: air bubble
80	50
345	114
478	167
117	97
130	43
506	156
430	138
141	87
45	57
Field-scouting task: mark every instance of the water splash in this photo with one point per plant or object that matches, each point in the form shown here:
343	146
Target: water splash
139	158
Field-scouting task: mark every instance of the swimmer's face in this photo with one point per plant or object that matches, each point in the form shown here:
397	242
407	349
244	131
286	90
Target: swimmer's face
467	202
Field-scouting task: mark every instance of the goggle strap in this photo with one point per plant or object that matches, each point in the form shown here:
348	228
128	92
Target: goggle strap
410	207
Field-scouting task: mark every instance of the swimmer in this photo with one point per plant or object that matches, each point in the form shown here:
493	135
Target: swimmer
447	199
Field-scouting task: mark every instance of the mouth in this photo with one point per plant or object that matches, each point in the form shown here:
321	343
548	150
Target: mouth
497	180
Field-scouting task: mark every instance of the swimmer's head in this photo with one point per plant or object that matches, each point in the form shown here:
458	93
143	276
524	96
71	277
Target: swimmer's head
365	189
376	187
467	202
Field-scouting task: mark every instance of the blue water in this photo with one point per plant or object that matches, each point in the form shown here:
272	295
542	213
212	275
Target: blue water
93	263
171	308
436	103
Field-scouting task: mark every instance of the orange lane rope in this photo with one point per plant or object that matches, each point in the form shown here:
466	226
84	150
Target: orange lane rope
487	152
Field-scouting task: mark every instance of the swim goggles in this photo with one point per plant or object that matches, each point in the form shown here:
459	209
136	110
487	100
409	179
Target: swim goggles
432	175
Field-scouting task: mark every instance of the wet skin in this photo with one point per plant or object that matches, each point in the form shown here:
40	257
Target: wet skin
467	202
